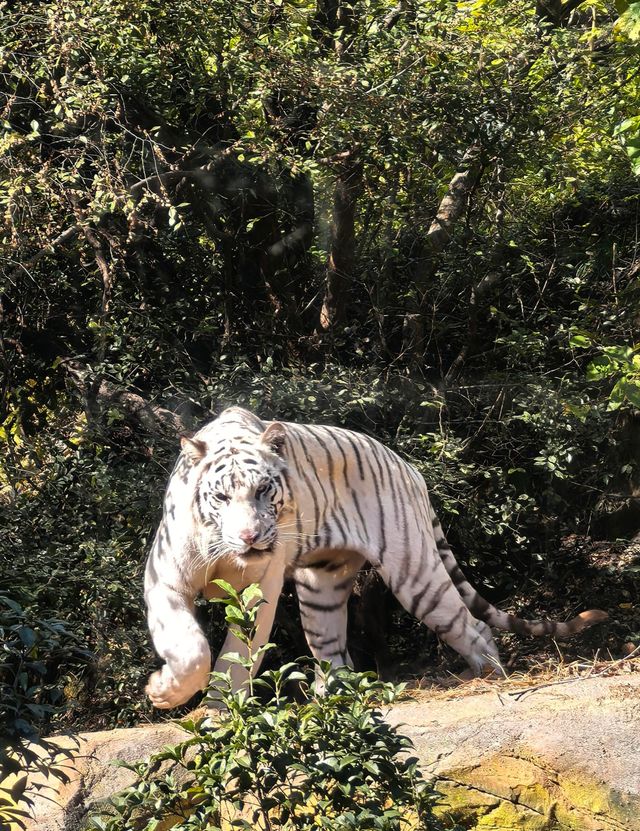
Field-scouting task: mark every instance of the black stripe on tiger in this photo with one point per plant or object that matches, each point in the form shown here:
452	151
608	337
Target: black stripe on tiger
316	564
299	548
453	569
322	526
301	471
362	528
384	461
337	510
356	452
376	456
417	599
301	584
434	600
336	518
407	553
326	565
318	643
323	445
380	511
443	628
321	607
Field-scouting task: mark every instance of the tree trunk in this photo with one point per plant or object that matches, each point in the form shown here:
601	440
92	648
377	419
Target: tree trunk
450	210
342	249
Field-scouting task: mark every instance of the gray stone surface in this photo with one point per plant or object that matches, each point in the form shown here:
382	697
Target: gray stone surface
563	757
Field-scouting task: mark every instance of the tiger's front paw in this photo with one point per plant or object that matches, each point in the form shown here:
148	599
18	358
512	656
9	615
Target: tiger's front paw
165	691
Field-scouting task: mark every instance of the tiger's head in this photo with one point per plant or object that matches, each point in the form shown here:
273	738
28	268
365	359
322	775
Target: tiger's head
240	490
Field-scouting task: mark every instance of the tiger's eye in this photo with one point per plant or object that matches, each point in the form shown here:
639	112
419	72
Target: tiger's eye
221	497
262	490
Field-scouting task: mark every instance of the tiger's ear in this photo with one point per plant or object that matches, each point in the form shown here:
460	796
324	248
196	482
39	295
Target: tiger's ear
194	449
274	437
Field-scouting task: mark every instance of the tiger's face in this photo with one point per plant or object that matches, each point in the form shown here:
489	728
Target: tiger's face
240	492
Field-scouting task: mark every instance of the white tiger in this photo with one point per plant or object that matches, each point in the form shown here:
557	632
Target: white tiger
251	502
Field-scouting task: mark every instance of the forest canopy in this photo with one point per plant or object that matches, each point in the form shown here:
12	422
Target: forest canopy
419	220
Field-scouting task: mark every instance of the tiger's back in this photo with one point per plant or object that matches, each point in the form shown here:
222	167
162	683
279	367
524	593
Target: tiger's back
355	500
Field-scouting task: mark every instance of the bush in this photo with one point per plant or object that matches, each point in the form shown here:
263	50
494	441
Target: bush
269	762
34	658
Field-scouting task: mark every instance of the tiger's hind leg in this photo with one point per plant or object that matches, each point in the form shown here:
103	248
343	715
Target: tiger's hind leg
469	595
433	598
324	581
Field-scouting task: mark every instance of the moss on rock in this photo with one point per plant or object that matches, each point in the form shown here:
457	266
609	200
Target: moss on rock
507	793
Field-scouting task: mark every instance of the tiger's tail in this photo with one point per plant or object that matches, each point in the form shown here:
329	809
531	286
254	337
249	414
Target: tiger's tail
483	610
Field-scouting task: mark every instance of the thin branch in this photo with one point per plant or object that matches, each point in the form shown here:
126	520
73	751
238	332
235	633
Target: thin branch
591	674
477	294
103	266
173	176
65	236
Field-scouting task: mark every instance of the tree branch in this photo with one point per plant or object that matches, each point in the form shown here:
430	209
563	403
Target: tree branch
65	236
390	19
454	202
478	293
556	12
170	177
100	394
341	258
450	209
452	206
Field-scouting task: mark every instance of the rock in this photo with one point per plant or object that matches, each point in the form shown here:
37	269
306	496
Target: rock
87	761
563	757
559	757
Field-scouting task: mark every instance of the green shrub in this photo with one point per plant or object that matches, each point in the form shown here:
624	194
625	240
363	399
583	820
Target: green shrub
34	657
269	762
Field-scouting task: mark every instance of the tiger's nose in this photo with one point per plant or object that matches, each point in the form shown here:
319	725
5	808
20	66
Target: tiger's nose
248	536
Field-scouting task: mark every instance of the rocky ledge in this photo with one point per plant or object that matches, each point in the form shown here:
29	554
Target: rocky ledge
556	757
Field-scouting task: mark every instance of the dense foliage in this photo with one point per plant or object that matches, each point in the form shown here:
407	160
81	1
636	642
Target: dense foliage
268	762
34	659
418	220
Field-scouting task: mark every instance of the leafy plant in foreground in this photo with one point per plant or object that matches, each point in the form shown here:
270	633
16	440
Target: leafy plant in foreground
34	651
328	762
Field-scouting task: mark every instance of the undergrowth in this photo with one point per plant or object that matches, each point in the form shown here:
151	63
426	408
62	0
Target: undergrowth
267	761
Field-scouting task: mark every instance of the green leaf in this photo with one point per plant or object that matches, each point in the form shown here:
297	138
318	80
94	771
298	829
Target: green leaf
243	759
632	147
632	392
27	636
599	369
227	588
252	592
236	658
628	24
580	340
